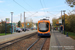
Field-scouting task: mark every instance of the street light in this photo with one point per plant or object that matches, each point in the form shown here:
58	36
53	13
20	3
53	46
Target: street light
64	21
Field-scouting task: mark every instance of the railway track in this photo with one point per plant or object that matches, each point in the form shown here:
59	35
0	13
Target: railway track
38	44
6	44
29	42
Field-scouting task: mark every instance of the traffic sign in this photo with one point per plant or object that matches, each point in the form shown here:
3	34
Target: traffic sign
27	23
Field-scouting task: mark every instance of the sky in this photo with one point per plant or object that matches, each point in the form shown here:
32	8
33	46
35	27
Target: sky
34	9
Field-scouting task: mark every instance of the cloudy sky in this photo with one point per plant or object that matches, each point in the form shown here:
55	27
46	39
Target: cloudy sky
34	9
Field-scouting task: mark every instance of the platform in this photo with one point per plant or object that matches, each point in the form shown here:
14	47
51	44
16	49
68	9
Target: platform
15	36
60	41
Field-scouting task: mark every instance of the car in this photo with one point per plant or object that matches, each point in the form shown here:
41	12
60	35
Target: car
22	29
18	30
34	28
26	29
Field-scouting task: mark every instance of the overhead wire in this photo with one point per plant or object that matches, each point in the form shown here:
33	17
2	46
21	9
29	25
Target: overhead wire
33	14
51	13
41	4
58	13
25	8
31	7
21	6
28	4
44	3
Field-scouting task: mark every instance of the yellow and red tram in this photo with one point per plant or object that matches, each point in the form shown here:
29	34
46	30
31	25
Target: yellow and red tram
43	27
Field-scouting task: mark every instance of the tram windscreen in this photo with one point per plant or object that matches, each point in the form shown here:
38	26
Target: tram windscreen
43	27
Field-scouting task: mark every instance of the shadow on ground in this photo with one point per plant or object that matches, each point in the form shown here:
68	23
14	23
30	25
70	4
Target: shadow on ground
44	36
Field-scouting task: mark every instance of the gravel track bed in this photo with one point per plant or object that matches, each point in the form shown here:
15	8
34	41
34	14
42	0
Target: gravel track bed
46	45
37	45
23	44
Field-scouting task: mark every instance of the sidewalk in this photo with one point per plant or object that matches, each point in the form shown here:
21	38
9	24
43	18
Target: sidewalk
59	41
15	35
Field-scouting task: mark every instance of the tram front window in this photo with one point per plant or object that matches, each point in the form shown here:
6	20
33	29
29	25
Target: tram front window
43	27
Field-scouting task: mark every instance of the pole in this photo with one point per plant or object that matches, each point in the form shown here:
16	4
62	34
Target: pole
20	17
61	17
64	21
24	21
5	28
11	21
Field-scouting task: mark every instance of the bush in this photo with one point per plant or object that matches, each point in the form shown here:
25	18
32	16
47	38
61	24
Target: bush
2	27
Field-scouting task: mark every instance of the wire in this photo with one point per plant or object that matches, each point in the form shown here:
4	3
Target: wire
51	13
58	12
42	5
21	6
27	4
33	14
25	8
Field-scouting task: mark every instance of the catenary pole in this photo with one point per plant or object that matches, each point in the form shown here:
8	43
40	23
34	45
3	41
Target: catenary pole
20	17
64	21
24	21
61	17
11	21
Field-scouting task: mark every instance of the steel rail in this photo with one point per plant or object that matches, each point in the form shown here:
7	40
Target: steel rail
33	43
43	43
16	40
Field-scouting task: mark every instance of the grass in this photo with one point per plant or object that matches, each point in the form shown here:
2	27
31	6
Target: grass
71	34
1	34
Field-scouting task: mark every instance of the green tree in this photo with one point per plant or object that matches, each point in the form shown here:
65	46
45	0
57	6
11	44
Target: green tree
71	3
66	17
29	24
69	22
19	24
2	27
54	20
72	22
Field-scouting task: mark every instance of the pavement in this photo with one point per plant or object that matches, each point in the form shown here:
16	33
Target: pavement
60	41
15	35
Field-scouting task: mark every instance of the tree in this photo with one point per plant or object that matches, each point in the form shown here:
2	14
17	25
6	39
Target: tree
66	16
2	27
72	22
29	24
19	24
71	3
54	20
69	22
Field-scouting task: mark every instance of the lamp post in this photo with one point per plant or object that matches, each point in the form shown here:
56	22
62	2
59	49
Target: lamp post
64	21
11	21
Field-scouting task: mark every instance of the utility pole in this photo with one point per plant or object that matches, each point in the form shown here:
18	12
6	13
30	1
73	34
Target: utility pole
20	17
64	21
5	28
11	21
61	17
24	21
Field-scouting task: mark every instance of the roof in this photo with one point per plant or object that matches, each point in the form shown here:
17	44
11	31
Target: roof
44	19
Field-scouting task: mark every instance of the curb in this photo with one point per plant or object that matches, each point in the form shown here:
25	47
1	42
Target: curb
50	42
